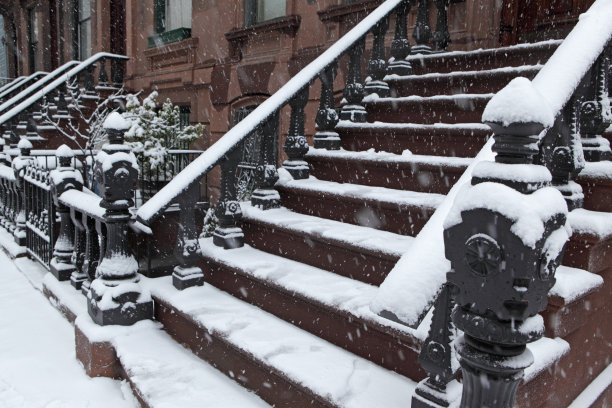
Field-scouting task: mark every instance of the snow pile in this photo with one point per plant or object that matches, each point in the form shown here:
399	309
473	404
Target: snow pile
519	102
411	287
116	121
530	212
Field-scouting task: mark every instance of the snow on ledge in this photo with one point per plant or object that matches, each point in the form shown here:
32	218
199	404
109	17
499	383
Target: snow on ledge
573	283
594	223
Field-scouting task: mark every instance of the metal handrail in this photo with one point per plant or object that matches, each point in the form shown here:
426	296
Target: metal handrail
34	77
57	83
230	141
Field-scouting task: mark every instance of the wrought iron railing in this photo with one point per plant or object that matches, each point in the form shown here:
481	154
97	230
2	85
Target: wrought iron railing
17	86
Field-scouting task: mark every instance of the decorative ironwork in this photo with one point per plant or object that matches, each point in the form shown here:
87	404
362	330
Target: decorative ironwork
228	211
441	37
377	66
187	249
400	46
354	90
422	30
327	117
296	145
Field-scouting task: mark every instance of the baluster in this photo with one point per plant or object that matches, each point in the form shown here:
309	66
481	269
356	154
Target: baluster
79	275
90	88
441	37
377	66
115	297
435	357
265	196
353	91
296	145
19	167
14	134
400	46
102	75
4	157
327	117
62	105
64	178
422	31
95	250
117	72
187	249
228	211
595	113
31	128
3	202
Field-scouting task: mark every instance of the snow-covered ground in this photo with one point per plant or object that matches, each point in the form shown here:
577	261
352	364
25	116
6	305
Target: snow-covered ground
38	366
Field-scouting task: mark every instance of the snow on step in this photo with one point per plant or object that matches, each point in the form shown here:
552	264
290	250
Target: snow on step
485	72
574	283
347	124
546	352
167	375
601	170
357	191
459	99
591	222
406	157
321	286
367	238
327	370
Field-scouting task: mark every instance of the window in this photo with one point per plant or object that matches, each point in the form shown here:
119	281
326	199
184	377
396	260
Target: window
33	40
172	21
3	54
258	11
83	29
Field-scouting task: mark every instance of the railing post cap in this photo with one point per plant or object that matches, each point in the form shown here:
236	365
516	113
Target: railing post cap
64	155
25	146
115	121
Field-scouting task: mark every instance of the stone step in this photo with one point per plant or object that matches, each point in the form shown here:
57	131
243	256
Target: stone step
426	174
356	252
514	56
283	364
458	82
400	212
596	182
460	108
440	139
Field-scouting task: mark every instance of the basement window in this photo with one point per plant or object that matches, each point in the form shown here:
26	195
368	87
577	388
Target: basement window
259	11
172	22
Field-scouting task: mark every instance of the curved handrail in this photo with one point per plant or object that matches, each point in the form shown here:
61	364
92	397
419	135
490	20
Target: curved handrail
37	85
57	83
31	78
228	142
13	82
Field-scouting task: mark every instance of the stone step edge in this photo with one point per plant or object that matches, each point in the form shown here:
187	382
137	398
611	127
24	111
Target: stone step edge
394	78
254	215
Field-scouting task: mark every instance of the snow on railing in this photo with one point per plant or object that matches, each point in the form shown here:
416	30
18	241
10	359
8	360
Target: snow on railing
34	77
37	85
558	80
57	83
14	81
213	155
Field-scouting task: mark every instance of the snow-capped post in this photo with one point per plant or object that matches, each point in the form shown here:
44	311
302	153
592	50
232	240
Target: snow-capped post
187	249
504	237
64	178
441	37
377	66
400	46
19	167
227	234
422	31
296	145
354	91
266	173
595	113
115	297
435	357
327	117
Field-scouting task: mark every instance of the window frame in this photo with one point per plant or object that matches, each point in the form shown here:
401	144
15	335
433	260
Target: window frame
78	46
251	13
163	35
33	40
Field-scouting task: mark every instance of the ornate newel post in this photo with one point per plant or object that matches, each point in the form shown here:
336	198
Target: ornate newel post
422	31
354	91
64	178
441	37
296	145
327	117
19	167
265	196
187	249
228	211
377	66
115	297
400	46
504	236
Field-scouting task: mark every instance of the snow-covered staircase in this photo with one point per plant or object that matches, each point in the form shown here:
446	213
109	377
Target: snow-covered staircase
291	320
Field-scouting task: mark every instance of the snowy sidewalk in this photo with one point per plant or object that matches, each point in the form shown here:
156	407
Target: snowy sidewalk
38	367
